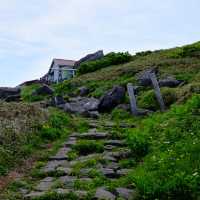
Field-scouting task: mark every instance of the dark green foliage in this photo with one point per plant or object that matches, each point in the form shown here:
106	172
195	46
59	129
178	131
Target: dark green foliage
84	147
143	53
108	60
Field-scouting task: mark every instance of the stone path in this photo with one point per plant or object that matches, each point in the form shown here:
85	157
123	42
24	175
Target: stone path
65	175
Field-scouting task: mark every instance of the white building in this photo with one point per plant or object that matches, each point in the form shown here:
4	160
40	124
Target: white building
60	70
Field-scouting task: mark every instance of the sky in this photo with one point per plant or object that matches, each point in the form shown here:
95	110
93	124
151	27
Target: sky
34	32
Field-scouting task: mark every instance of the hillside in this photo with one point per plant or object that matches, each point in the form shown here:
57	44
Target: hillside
119	155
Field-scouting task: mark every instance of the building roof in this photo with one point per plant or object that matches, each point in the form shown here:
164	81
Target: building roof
63	62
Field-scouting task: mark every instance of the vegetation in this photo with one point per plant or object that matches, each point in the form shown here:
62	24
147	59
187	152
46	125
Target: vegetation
108	60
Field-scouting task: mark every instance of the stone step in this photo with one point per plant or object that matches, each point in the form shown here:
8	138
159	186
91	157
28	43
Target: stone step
92	135
45	184
62	154
127	194
103	194
118	143
34	195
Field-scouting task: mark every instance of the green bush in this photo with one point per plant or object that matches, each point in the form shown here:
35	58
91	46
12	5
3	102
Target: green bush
138	143
84	147
108	60
148	99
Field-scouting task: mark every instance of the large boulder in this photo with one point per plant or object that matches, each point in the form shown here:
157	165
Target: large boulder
15	98
143	77
170	82
82	105
7	91
111	99
43	90
57	101
90	57
83	91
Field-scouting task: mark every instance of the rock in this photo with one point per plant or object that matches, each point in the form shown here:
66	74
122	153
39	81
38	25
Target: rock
143	77
15	98
118	143
83	106
113	165
6	92
90	57
125	193
93	135
34	195
111	99
43	90
45	184
83	91
91	114
103	194
74	108
170	82
57	101
64	170
110	173
91	104
52	165
62	154
68	180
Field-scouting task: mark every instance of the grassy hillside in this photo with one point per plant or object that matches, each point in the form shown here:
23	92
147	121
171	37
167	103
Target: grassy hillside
165	147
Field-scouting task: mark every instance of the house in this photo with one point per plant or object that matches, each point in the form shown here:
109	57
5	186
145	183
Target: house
60	70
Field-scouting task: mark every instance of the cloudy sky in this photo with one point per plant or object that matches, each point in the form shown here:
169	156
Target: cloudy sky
34	32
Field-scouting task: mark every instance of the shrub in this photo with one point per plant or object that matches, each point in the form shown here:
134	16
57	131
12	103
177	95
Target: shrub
108	60
138	143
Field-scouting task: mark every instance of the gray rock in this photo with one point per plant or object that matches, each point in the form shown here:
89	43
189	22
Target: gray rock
109	147
34	195
62	154
103	194
125	193
90	57
43	90
113	165
5	92
143	77
15	98
52	165
117	143
57	101
110	173
83	91
45	184
91	104
170	82
91	114
93	135
64	170
68	181
111	99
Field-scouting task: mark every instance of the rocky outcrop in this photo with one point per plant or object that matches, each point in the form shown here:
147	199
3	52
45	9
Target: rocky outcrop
111	99
83	91
90	57
57	101
170	82
81	105
43	90
15	98
6	92
143	77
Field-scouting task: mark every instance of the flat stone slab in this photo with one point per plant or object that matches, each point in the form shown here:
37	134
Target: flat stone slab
45	184
109	147
34	195
112	165
103	194
92	135
52	165
62	154
68	180
115	143
126	194
110	173
64	170
78	193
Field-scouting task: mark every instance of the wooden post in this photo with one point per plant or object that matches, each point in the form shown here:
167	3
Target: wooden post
133	102
157	91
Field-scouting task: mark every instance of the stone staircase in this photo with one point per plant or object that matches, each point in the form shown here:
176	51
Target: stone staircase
63	176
